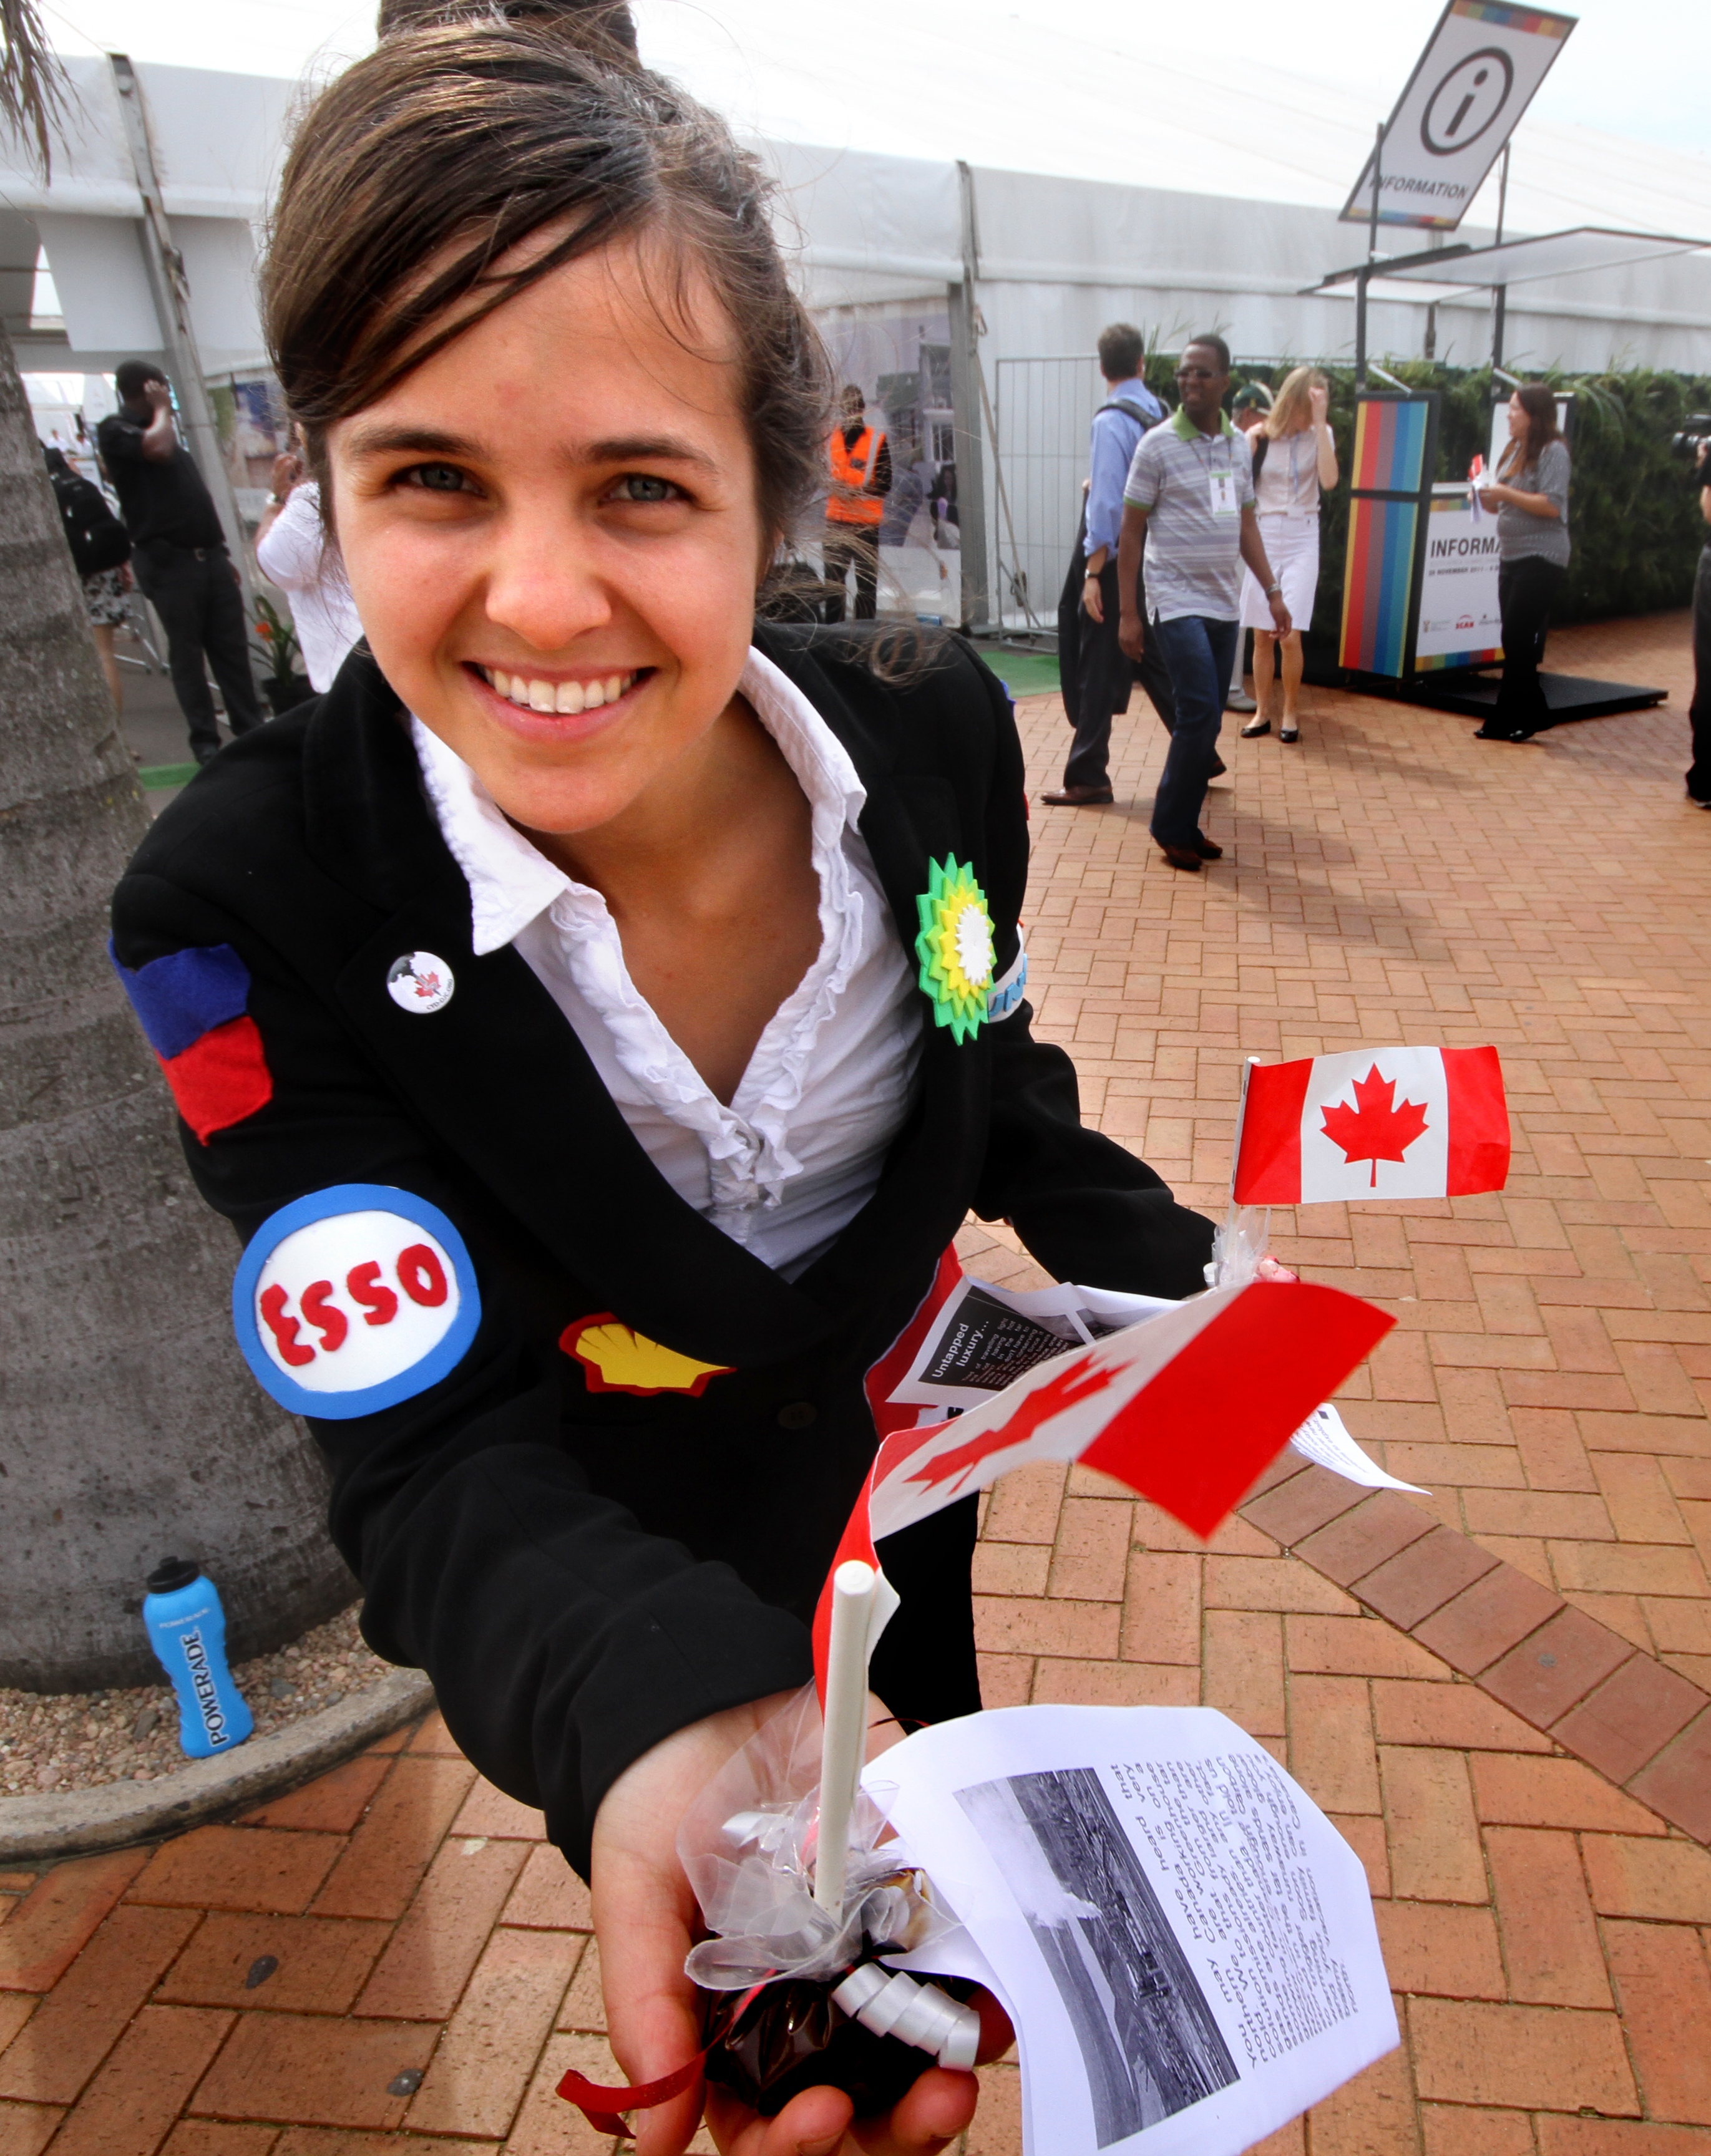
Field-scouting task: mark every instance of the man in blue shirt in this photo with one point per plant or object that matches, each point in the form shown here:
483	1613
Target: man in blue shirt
1095	674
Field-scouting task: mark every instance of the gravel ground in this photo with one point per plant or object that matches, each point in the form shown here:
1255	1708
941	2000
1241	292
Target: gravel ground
84	1740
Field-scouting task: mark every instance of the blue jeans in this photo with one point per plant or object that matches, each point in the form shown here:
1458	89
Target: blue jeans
1199	653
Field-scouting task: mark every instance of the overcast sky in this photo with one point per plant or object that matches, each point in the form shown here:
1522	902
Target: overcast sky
1631	67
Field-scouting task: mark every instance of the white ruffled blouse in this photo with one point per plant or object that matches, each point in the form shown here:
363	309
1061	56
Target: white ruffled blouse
799	1151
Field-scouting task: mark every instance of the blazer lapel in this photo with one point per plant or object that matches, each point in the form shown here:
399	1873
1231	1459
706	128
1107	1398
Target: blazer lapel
910	819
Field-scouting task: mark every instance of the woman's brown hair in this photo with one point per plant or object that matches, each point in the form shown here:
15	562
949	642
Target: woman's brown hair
1538	400
427	163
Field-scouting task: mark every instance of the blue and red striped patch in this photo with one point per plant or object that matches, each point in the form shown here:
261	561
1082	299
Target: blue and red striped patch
193	1005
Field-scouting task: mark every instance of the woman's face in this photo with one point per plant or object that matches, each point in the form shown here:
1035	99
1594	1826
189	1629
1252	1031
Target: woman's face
551	532
1518	420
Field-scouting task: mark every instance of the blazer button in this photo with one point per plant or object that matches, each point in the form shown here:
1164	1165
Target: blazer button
798	1416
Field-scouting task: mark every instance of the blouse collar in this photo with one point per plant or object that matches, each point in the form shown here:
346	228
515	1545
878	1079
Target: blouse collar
512	882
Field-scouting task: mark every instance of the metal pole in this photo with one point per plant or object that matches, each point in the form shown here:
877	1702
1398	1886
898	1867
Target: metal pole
966	397
1500	294
1372	256
1360	329
170	289
1503	193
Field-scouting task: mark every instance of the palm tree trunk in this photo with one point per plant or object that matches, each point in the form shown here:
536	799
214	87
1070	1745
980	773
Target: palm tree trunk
130	1430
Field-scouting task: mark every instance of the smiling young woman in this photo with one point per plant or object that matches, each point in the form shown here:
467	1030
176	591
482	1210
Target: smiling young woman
568	1009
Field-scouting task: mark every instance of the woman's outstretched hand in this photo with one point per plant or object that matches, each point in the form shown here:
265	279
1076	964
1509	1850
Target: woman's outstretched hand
646	1920
820	2121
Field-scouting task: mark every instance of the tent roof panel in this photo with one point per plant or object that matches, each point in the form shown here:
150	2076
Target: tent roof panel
1524	261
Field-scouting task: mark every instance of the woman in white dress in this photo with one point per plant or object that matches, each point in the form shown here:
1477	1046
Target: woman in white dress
1294	457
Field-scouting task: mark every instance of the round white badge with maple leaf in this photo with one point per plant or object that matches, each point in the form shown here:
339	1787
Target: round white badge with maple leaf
420	982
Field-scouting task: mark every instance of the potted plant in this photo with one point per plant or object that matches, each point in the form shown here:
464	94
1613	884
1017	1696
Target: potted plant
280	683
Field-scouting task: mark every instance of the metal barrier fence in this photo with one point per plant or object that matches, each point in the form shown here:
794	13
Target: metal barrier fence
1043	408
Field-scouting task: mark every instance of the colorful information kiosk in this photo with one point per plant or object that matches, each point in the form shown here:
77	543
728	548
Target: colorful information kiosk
1389	507
1420	615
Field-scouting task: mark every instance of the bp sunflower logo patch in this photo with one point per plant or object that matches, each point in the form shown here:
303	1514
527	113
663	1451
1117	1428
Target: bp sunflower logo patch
955	948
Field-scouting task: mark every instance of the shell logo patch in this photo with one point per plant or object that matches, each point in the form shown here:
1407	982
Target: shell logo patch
955	948
616	1358
354	1298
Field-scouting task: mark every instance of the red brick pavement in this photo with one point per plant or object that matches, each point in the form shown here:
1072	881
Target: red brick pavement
391	1963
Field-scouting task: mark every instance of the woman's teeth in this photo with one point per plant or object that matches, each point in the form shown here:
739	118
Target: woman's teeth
564	698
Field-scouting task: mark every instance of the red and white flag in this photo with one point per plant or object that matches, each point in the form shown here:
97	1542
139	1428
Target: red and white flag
1377	1122
1185	1408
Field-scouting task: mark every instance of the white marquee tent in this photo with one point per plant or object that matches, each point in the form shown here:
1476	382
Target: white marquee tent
947	151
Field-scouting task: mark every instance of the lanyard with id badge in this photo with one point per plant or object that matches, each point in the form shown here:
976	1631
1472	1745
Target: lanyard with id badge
1222	487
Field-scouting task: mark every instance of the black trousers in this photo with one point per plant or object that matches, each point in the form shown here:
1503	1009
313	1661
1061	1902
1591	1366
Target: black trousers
1527	590
1699	711
196	595
846	546
1097	677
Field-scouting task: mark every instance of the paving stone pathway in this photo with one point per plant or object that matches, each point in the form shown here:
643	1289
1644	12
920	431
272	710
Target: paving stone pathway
1499	1690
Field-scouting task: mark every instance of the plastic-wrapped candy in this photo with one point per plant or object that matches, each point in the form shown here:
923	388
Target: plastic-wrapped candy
798	1997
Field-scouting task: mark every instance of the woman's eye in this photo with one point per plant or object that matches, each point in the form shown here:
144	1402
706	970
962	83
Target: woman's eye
435	479
643	486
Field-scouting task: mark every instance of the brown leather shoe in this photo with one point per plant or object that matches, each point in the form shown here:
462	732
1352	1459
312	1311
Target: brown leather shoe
1206	850
1079	797
1179	857
1218	767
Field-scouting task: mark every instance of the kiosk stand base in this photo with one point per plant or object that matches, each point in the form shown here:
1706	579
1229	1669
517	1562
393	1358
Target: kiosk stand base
1474	694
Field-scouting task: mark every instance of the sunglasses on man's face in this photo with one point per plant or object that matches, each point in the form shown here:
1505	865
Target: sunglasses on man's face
1196	374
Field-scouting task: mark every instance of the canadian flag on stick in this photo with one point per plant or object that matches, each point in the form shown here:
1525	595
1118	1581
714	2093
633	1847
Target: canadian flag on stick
1186	1408
1379	1122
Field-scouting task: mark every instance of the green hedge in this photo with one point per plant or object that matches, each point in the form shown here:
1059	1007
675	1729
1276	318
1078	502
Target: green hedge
1632	509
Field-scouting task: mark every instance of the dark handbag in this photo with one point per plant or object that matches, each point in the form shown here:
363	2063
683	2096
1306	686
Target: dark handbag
97	539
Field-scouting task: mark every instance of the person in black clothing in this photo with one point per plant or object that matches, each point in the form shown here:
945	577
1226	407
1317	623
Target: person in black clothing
1699	776
560	984
179	555
100	548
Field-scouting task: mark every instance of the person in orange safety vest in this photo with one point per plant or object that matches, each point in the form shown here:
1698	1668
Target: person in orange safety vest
860	479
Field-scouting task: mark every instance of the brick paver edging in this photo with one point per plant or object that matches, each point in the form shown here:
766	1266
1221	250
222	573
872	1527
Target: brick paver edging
45	1830
1638	1723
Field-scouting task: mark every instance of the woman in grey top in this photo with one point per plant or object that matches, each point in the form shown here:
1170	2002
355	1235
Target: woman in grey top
1531	497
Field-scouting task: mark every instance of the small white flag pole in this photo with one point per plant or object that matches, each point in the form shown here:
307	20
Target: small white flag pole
844	1740
1245	1236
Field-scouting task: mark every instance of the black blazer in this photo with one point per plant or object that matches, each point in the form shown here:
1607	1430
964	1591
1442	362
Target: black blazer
582	1573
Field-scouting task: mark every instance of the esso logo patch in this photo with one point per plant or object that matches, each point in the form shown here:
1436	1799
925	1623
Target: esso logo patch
354	1298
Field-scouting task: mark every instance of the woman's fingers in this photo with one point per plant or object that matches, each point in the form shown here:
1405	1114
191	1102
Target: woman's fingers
812	2123
932	2113
819	2122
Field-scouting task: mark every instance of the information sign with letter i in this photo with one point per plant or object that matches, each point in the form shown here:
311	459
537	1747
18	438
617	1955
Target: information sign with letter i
1476	78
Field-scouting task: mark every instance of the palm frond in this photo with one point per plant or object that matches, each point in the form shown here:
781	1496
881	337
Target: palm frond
34	84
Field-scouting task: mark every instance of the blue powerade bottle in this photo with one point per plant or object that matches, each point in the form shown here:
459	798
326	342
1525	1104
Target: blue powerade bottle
187	1629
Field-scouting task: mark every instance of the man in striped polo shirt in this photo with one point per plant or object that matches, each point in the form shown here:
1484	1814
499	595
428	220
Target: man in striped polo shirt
1190	495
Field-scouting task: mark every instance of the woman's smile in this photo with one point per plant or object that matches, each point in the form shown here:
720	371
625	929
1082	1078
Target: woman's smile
545	708
570	694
